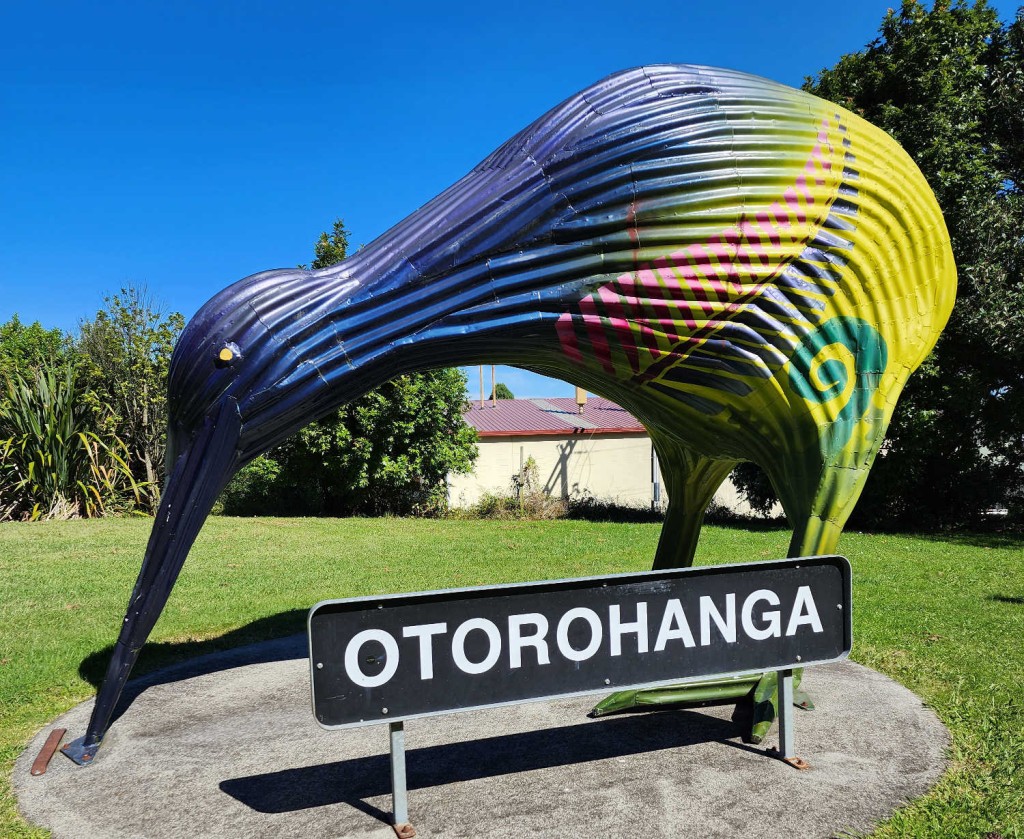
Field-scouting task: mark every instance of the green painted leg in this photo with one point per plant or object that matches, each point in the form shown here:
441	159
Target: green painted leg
814	533
720	692
765	701
815	537
756	698
691	481
816	530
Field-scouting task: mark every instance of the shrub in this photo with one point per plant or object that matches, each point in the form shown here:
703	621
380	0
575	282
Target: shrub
51	465
126	354
253	491
386	453
526	499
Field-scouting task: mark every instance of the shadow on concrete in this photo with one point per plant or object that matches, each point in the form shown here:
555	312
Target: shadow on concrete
161	662
352	781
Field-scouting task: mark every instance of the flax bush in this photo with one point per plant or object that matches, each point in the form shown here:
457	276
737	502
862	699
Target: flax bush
51	465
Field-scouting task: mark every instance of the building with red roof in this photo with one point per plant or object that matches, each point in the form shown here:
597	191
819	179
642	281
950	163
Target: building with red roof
596	449
557	417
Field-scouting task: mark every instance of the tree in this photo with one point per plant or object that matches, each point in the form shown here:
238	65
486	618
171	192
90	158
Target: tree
948	85
25	348
127	350
331	248
501	391
388	452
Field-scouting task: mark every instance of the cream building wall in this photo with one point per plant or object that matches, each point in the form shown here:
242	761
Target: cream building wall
614	467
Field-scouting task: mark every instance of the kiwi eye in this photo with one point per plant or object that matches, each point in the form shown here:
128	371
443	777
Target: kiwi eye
228	354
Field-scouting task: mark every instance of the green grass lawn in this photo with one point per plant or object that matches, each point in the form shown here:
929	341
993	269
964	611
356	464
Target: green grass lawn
944	616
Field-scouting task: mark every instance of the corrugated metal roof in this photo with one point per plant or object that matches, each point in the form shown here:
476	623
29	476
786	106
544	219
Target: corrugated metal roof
518	417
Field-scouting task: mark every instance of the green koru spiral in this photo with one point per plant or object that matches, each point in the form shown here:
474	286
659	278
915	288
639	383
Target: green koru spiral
870	355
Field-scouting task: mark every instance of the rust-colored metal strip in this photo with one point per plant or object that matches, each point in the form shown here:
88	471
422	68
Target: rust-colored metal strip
46	752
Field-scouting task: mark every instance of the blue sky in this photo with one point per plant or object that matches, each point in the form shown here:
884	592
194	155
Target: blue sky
184	146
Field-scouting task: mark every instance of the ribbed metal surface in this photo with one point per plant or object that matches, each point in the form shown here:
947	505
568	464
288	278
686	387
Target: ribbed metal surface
669	235
749	270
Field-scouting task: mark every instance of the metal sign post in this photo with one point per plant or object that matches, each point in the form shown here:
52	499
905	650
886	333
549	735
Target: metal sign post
786	745
399	789
400	657
787	748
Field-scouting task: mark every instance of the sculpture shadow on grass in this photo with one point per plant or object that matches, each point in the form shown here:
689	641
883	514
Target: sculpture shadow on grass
279	637
354	781
1012	540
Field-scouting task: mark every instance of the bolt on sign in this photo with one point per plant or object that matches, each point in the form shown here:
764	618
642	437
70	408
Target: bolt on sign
397	657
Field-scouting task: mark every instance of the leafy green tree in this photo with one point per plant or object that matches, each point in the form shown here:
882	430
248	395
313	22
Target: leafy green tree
501	391
388	452
948	84
127	352
27	347
331	248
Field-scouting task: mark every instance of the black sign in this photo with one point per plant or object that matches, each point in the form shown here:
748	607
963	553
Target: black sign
394	657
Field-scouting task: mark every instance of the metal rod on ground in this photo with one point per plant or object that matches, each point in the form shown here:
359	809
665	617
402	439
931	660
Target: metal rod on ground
399	791
786	746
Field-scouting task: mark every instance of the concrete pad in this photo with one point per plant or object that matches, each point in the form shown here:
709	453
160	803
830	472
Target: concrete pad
226	746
